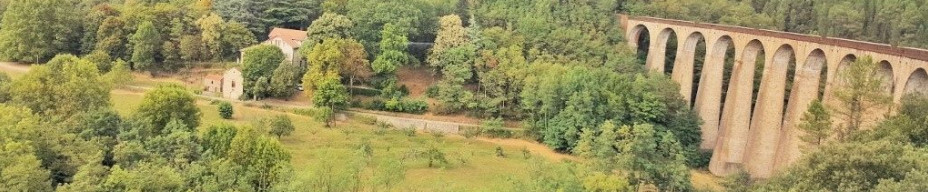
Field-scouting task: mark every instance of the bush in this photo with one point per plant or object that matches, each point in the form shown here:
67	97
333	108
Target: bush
398	105
494	128
499	152
410	131
432	91
393	91
406	106
471	132
498	133
225	110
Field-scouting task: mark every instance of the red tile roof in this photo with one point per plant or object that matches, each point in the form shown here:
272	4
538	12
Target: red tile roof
291	36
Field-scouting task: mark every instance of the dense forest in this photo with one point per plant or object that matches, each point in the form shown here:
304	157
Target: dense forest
561	68
896	22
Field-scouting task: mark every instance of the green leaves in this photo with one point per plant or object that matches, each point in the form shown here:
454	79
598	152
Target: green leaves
145	43
392	50
36	30
166	103
65	86
260	61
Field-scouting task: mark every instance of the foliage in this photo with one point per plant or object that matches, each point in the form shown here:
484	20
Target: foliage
260	155
324	60
284	80
494	128
260	88
860	91
281	125
21	169
325	115
63	87
451	34
102	59
34	31
816	124
119	74
653	158
330	93
258	62
392	50
851	167
225	110
145	42
211	31
328	26
167	103
5	83
235	37
402	106
354	63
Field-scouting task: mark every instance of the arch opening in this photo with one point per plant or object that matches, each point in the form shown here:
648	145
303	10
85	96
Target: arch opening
885	72
669	40
642	38
697	43
727	70
754	53
710	87
917	83
816	65
843	66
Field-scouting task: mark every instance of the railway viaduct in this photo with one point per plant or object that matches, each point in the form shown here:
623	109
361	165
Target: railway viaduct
755	128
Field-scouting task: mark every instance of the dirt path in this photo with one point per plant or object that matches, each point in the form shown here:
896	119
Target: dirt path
14	67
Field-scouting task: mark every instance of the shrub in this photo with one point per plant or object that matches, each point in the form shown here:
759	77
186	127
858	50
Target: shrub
471	132
376	105
398	105
499	152
406	106
225	110
410	131
435	156
494	128
393	91
431	91
526	153
324	115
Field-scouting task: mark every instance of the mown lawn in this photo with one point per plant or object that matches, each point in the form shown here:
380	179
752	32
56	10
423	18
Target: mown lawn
474	165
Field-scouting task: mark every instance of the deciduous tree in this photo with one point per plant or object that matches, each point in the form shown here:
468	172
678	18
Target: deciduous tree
166	103
145	44
281	125
36	30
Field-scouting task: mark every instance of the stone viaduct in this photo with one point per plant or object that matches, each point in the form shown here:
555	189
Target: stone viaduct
760	136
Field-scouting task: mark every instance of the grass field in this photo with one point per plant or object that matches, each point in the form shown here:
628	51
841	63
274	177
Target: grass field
473	165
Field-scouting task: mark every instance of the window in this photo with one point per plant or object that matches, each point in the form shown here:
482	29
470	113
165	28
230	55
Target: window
233	84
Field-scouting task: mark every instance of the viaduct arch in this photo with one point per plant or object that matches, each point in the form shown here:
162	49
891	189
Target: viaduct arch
775	76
